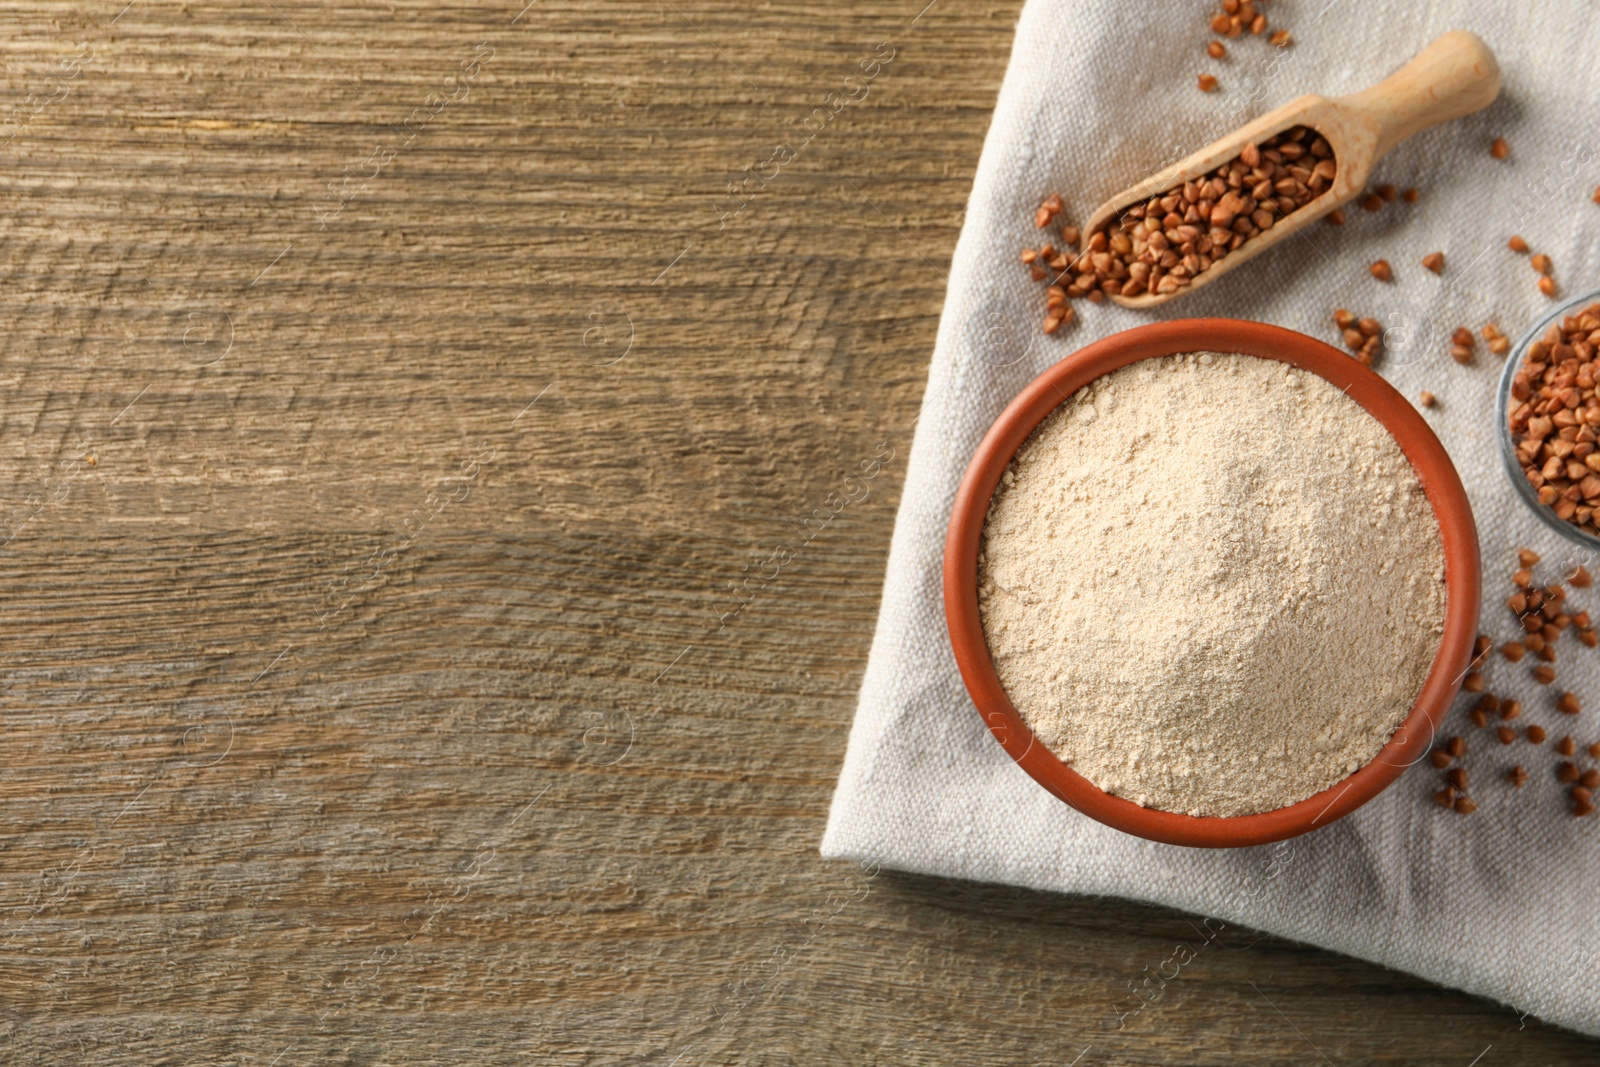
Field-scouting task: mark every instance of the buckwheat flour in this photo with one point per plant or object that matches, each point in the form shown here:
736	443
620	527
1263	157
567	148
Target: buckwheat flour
1212	584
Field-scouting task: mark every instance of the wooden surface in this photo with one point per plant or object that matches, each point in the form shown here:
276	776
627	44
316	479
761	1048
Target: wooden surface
358	711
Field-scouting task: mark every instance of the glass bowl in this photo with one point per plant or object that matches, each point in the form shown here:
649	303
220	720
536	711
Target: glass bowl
1502	413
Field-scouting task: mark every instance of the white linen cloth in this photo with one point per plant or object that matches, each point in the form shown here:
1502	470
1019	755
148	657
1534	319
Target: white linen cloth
1100	94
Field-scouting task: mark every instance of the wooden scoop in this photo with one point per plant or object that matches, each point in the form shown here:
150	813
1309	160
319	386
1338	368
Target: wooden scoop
1454	76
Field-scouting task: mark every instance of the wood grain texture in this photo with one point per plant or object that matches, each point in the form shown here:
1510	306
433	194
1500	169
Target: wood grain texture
374	469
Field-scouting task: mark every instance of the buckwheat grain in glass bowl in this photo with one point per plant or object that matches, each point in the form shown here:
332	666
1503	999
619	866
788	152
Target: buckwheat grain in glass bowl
1548	419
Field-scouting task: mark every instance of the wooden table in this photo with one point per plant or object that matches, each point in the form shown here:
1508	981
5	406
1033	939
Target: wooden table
391	395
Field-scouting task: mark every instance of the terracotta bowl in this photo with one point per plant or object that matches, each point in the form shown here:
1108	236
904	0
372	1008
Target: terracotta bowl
1439	480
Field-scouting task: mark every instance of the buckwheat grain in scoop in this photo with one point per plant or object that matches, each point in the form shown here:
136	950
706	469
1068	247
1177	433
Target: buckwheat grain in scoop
1212	584
1161	244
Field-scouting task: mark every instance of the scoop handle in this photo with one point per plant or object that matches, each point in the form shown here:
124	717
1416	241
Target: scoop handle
1454	76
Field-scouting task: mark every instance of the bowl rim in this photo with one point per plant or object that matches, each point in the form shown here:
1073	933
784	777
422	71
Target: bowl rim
1502	417
1441	484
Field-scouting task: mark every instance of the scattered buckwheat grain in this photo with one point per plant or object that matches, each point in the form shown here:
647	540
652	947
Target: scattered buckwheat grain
1363	336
